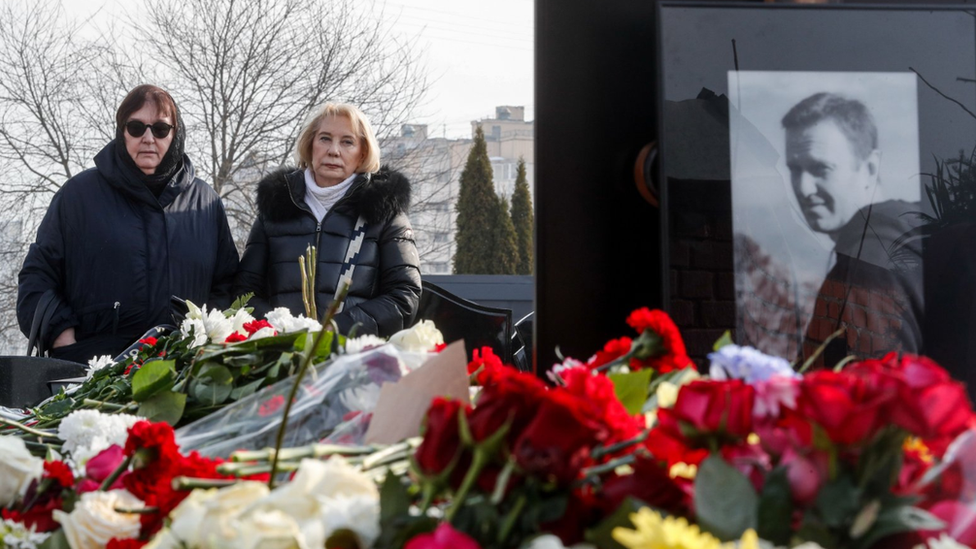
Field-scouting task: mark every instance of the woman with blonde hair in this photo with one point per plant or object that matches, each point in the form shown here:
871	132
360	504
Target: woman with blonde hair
353	212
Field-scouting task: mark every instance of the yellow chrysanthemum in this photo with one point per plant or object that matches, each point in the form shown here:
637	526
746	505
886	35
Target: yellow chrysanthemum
652	531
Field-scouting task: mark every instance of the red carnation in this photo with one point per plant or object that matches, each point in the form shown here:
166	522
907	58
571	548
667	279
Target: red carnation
148	341
60	473
116	543
486	363
39	516
673	355
255	325
235	338
599	392
612	350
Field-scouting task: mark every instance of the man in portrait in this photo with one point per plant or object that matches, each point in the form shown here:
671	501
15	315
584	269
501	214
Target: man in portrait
873	286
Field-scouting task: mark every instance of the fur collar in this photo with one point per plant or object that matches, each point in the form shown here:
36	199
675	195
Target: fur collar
378	197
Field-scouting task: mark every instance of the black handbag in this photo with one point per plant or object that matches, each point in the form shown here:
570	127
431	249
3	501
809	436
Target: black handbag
47	305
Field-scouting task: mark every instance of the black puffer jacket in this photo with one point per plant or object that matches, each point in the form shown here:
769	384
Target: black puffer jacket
385	288
114	254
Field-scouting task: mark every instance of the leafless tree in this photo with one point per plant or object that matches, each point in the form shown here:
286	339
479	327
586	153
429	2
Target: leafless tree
247	74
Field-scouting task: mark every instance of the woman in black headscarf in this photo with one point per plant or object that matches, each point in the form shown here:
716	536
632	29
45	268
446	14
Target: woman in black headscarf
120	239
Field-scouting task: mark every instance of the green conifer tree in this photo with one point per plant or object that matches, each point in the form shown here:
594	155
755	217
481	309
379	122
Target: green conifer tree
477	208
506	241
522	220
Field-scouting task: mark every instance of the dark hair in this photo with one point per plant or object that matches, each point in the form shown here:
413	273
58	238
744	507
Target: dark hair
138	97
163	101
851	116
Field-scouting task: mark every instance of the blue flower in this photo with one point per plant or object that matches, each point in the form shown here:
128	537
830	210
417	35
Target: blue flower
747	364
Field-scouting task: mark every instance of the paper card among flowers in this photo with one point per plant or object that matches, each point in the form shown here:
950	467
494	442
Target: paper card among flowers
402	405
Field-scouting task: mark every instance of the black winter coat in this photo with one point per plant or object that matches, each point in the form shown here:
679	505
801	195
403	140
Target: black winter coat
385	288
115	254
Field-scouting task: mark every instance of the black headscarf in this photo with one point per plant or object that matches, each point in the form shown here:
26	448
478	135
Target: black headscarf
171	163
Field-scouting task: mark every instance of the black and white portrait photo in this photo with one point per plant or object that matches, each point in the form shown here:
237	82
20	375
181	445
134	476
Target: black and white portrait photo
825	194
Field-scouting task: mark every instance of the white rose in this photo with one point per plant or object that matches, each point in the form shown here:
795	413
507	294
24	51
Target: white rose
422	337
207	516
94	520
359	514
17	469
267	530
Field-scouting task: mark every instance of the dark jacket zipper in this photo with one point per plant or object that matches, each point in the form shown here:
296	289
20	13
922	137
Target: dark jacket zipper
115	320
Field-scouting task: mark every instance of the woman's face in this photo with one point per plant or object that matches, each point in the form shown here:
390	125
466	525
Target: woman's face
147	150
336	151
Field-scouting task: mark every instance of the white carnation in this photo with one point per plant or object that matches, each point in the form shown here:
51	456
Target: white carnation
87	432
237	322
358	514
263	332
361	343
97	363
206	326
283	321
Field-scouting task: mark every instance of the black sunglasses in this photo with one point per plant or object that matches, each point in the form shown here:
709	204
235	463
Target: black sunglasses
159	129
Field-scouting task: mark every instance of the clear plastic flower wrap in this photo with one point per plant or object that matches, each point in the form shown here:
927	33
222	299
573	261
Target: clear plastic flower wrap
333	404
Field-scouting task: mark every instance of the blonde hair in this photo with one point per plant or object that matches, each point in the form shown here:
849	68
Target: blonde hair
360	126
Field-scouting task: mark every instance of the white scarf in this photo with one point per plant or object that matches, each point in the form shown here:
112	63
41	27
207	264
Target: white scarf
321	199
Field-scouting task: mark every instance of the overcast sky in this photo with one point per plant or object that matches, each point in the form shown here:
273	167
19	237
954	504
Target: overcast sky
480	55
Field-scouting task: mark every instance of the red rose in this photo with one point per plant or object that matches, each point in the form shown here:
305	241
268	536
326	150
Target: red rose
443	537
60	473
649	483
850	408
715	407
512	398
582	512
442	439
930	404
255	325
557	442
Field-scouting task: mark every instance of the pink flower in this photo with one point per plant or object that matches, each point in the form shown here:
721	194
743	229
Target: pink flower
444	537
100	467
772	394
805	476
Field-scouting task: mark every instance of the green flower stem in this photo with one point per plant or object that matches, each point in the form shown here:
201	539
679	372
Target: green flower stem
646	345
109	406
601	451
510	518
139	511
26	429
40	449
306	362
430	490
108	482
248	469
608	466
478	463
502	482
292	454
190	483
396	452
